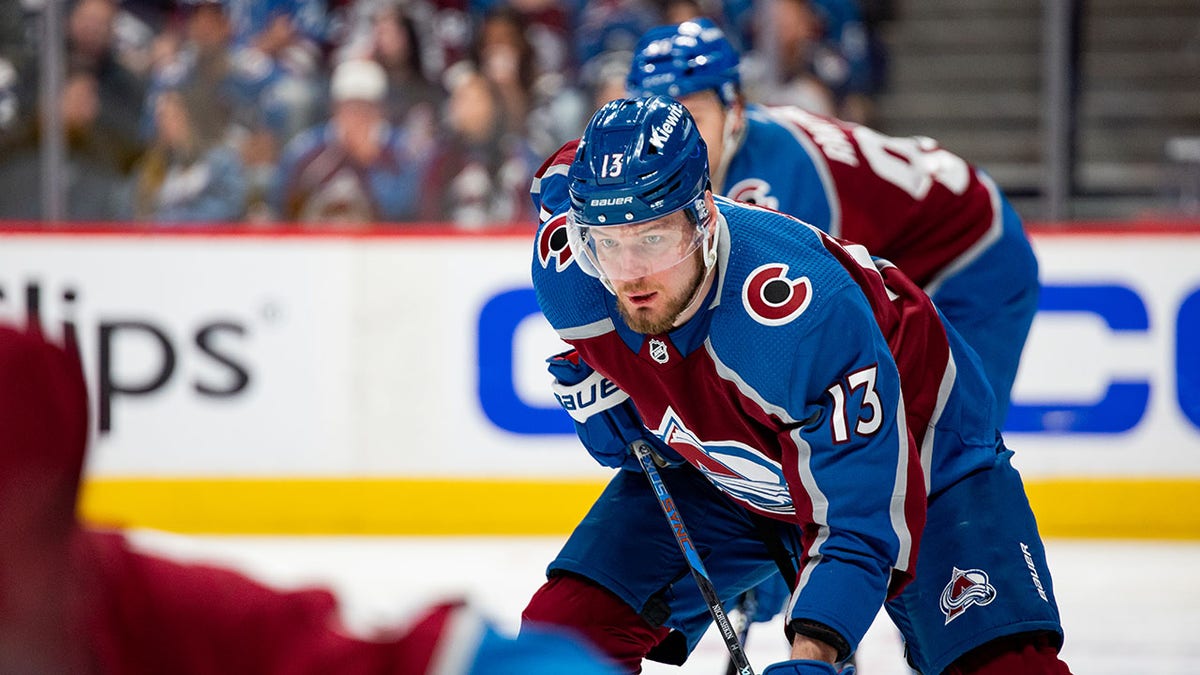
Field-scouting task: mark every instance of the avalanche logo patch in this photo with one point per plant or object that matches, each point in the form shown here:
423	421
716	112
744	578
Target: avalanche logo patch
754	191
771	298
735	468
966	588
553	245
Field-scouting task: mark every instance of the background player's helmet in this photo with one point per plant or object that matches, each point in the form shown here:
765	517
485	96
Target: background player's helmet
639	159
684	59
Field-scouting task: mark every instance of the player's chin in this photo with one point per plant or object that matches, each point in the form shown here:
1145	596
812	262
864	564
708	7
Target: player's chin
646	320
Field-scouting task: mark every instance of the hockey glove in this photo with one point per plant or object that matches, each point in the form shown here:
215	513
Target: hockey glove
806	667
605	419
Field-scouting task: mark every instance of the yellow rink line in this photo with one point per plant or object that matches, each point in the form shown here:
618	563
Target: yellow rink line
1092	508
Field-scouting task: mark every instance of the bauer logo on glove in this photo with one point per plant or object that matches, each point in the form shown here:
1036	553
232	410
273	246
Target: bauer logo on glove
605	419
594	394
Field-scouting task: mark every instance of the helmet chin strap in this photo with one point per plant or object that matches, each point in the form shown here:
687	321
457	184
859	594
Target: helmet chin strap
709	254
710	246
731	138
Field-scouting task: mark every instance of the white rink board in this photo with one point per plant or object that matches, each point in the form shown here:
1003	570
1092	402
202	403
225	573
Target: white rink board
364	354
286	300
1072	355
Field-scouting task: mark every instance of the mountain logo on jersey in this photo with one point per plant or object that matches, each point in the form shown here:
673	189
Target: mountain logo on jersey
735	468
553	244
966	588
754	191
773	299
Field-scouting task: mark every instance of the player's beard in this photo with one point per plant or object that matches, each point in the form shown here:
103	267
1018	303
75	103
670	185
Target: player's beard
659	319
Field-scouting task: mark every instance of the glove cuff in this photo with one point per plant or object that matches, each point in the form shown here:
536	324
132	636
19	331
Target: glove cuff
800	667
819	631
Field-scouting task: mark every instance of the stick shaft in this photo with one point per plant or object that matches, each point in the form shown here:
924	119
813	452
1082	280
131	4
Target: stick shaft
742	618
737	654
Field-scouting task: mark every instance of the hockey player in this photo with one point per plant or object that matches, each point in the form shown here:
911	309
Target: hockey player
74	599
940	220
794	385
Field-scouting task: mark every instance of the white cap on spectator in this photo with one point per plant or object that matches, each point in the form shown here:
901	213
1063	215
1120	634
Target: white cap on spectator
359	80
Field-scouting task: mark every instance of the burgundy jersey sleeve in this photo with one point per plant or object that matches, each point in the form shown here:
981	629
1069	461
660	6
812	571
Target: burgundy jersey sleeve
906	199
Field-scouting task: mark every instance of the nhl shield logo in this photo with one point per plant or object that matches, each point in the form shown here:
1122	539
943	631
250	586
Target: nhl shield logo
658	351
966	588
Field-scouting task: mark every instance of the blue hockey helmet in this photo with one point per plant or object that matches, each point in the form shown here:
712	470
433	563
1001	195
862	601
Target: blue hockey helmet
684	59
639	160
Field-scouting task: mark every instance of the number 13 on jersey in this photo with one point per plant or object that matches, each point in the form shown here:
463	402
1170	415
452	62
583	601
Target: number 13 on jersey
869	418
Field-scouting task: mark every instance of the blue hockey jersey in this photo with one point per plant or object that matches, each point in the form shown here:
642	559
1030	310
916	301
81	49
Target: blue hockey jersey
817	386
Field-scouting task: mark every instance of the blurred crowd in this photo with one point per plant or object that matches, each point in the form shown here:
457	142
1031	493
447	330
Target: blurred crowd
353	112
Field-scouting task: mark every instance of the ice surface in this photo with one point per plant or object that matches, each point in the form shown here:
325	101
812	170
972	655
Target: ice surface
1128	607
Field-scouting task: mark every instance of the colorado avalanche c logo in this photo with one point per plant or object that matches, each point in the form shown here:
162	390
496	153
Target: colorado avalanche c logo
552	244
966	588
771	298
754	191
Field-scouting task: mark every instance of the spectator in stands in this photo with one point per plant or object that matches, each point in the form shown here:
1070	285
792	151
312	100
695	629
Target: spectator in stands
736	17
98	161
803	64
91	49
356	168
17	60
502	53
612	25
277	58
197	64
844	34
244	88
136	27
823	59
187	175
413	100
482	171
539	104
604	77
875	15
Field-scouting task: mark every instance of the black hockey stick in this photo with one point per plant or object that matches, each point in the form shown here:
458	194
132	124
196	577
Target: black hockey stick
737	655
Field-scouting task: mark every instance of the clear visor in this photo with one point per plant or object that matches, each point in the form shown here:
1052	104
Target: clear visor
625	252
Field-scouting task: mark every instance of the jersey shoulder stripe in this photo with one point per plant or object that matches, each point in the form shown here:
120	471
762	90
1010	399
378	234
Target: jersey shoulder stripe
550	188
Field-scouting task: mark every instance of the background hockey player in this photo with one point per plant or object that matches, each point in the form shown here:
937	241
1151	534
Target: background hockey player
767	360
940	220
